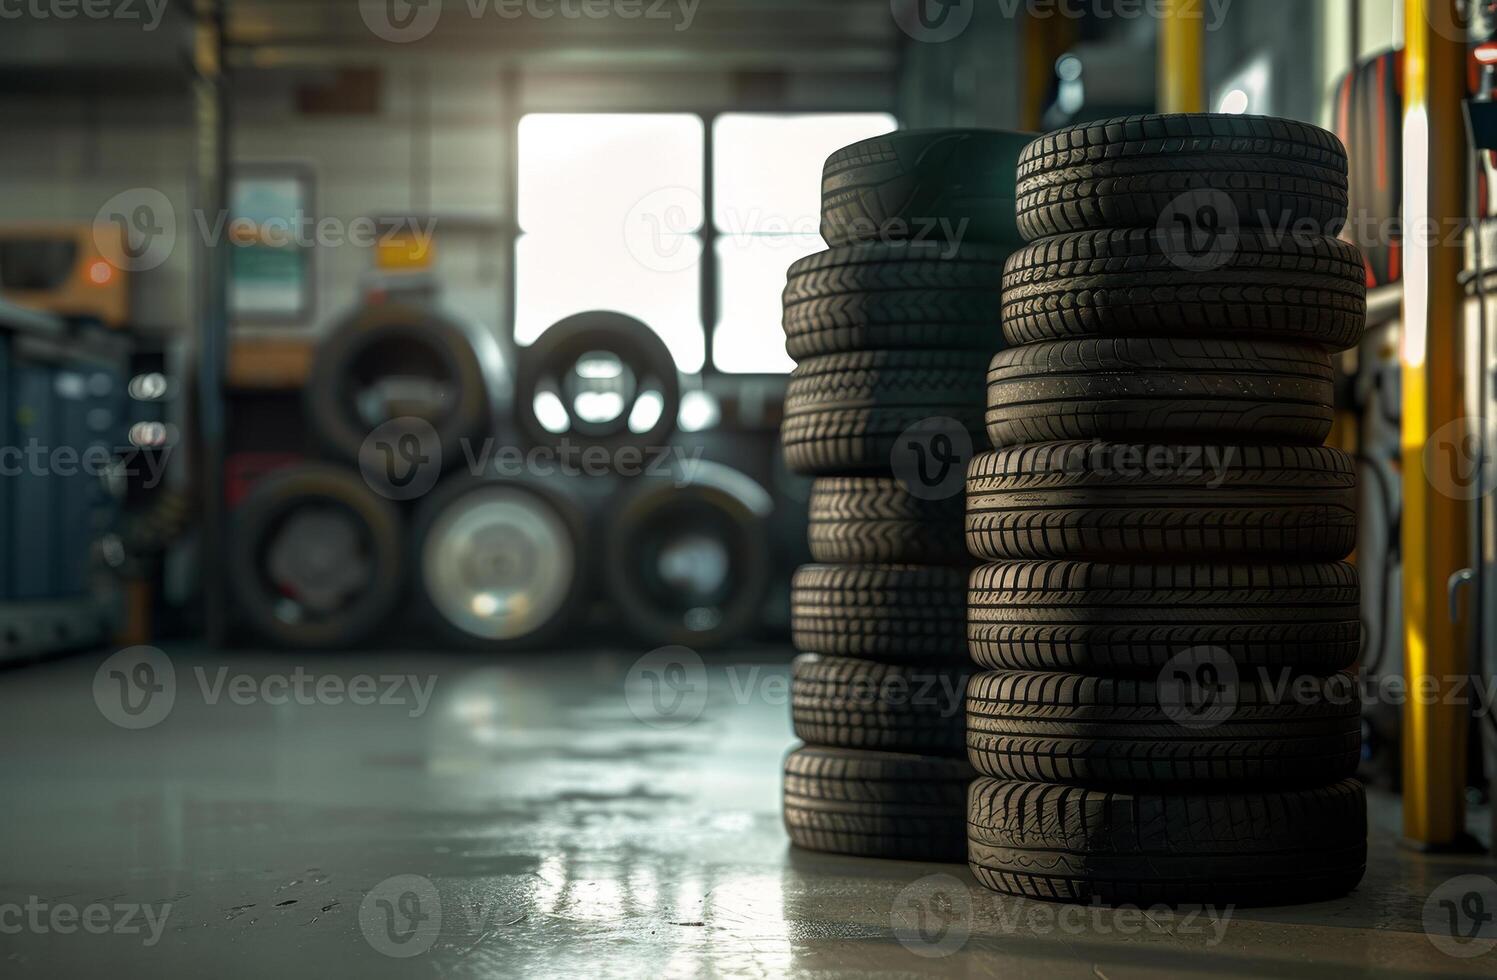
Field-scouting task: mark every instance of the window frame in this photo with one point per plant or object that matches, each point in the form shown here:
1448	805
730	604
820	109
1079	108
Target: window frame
708	271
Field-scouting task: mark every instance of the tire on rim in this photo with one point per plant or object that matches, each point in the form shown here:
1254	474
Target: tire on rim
392	361
316	557
586	379
500	562
688	559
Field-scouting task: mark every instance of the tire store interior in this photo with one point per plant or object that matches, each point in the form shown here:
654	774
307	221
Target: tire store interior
696	488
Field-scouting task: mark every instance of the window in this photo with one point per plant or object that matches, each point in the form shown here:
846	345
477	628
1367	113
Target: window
611	217
583	179
767	212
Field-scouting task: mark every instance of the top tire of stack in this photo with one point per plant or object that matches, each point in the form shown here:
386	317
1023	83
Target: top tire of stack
1135	171
924	185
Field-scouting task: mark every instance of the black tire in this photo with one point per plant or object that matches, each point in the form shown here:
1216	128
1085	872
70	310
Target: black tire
714	505
876	520
845	412
1126	172
1132	619
388	338
1106	502
262	515
1306	288
945	184
558	516
1102	731
895	297
876	804
1065	843
648	366
890	613
1136	390
858	704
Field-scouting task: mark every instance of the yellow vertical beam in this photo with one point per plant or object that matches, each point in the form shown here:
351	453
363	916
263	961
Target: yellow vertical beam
1182	56
1435	525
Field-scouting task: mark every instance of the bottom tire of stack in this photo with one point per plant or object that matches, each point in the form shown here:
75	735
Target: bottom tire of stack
876	804
1164	845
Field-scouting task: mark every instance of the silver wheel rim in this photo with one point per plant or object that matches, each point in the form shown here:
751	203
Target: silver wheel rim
498	563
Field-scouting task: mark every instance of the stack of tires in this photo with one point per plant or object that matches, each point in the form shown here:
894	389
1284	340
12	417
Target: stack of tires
1165	622
891	329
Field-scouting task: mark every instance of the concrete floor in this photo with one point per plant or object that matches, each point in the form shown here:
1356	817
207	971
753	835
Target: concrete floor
549	830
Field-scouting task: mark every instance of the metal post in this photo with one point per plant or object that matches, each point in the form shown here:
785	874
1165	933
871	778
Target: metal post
1182	57
1436	528
210	198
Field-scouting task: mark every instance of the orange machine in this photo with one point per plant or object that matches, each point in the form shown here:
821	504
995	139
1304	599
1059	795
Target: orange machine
73	269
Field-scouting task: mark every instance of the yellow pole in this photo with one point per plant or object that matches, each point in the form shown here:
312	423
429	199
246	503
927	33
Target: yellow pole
1182	56
1435	524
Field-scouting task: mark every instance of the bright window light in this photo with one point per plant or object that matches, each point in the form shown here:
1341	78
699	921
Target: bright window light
749	338
767	179
586	172
767	209
559	275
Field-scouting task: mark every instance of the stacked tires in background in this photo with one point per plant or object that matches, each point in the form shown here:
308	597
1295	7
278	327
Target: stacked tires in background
891	329
1165	622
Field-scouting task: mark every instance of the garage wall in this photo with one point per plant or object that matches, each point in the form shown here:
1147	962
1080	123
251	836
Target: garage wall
435	147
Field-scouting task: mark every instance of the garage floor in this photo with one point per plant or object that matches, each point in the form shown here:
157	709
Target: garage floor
550	832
